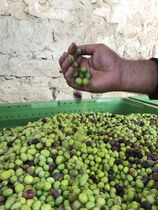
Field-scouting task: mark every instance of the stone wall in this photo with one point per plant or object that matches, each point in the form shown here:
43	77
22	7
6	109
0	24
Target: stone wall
34	33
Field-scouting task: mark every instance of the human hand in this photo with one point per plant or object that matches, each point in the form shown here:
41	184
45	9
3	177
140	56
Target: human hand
109	71
102	63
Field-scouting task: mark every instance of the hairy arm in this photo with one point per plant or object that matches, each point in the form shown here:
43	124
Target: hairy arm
138	76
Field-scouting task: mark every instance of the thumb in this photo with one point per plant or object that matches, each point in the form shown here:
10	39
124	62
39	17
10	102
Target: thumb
88	49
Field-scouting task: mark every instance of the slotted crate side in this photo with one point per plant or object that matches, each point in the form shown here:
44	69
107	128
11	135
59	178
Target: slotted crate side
145	99
12	115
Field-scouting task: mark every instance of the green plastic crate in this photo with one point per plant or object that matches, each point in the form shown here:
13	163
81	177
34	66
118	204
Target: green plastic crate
146	99
12	115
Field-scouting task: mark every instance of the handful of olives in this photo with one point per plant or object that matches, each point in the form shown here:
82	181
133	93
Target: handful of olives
81	75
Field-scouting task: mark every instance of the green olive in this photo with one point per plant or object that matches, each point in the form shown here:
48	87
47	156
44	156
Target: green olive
75	64
85	82
78	81
78	51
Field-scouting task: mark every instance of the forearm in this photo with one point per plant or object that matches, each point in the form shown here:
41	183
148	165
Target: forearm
138	76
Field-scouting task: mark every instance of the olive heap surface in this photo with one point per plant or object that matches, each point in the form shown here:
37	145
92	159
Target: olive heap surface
97	161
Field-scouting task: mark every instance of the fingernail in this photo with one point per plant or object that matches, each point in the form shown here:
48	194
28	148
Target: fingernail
72	45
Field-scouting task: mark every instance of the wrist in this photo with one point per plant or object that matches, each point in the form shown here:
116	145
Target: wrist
138	76
154	94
